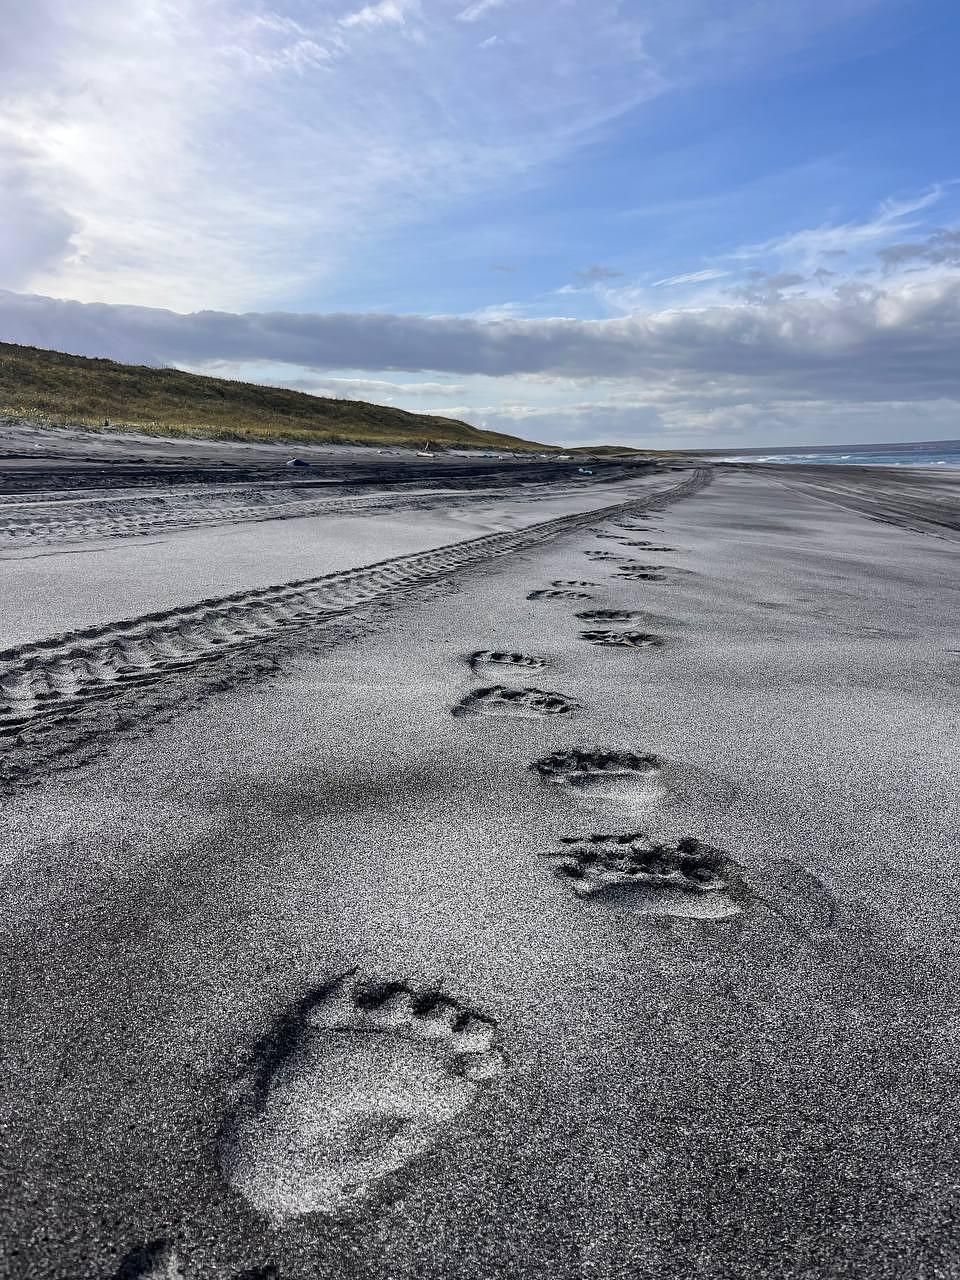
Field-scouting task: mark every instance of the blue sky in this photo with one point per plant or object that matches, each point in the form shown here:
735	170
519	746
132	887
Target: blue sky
686	222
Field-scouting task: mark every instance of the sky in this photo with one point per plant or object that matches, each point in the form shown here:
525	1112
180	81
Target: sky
652	222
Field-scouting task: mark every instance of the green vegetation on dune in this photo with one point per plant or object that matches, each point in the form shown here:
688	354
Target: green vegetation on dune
611	450
61	389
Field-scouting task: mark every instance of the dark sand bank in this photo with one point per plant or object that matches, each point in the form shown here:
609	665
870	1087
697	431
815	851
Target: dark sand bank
40	461
725	1047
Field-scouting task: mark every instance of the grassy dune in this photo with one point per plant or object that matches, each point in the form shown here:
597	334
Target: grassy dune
61	389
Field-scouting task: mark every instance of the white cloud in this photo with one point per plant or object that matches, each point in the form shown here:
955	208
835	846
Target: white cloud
861	342
692	277
940	248
226	153
500	311
811	245
474	12
865	359
349	388
240	154
36	231
380	14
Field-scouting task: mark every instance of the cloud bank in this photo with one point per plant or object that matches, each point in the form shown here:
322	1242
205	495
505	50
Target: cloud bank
860	342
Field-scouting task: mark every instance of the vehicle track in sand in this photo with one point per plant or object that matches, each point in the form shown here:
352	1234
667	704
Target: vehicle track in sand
62	698
33	524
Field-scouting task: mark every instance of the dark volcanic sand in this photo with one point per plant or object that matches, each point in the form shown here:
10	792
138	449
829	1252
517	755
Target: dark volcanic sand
752	1073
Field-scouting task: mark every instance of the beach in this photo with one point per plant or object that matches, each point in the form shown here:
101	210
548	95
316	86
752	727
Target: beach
553	878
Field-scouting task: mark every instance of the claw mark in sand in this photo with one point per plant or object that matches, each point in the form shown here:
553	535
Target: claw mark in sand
623	639
571	582
526	703
354	1083
559	595
607	774
608	615
690	880
494	658
603	555
641	575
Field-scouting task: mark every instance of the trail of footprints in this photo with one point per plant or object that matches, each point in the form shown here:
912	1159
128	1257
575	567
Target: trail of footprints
360	1077
62	698
684	880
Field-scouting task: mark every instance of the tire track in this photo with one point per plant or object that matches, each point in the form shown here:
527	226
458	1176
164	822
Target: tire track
62	698
109	519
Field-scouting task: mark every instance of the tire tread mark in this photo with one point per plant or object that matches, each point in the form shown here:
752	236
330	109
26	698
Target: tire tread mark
53	692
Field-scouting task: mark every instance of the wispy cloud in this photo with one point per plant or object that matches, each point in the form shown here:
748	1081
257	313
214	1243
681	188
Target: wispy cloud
474	12
242	153
233	154
811	245
383	13
692	277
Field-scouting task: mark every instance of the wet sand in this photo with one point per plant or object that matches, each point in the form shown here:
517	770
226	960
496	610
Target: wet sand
310	976
926	499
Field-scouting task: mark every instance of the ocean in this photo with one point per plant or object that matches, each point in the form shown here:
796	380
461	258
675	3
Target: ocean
915	453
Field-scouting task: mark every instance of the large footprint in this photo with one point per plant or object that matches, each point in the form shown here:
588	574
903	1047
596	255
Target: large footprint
356	1083
608	615
623	639
689	879
608	775
559	595
500	658
526	703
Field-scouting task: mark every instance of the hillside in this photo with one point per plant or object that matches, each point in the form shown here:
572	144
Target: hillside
61	389
611	450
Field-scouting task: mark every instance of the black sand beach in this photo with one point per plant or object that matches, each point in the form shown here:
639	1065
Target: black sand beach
548	879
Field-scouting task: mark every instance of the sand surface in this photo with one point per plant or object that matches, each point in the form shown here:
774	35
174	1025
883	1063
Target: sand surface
310	973
73	584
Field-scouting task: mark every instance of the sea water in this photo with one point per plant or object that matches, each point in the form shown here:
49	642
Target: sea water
917	453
